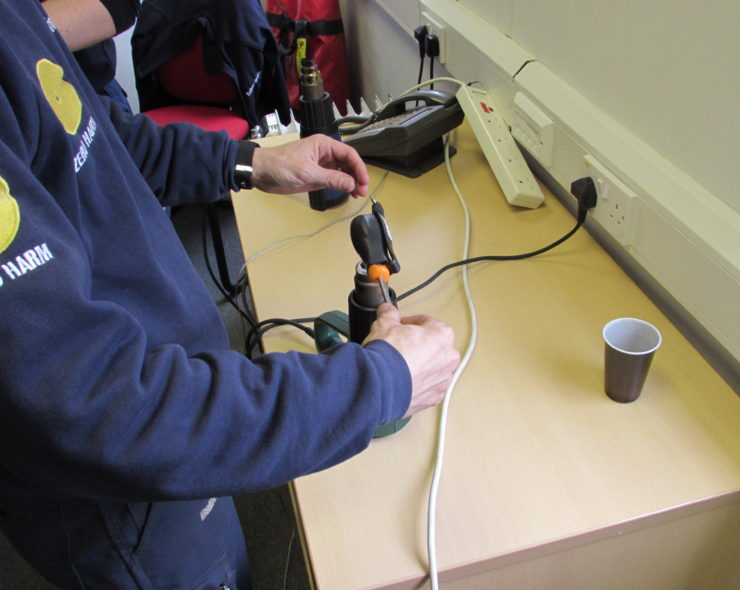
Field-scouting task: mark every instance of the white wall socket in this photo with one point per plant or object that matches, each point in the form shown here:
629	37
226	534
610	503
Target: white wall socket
533	129
436	27
616	203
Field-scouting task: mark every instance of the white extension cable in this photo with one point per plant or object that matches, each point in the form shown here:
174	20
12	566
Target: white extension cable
442	427
432	507
434	81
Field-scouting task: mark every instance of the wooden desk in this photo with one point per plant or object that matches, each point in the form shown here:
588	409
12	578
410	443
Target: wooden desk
547	483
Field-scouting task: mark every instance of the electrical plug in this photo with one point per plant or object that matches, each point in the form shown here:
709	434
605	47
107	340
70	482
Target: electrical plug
584	190
431	43
420	34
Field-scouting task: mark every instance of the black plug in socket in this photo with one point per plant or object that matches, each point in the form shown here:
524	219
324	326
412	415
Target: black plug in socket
432	45
420	34
584	190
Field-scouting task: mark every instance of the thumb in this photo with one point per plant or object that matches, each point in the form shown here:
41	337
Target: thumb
388	313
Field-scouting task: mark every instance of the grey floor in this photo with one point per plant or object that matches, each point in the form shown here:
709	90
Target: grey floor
267	518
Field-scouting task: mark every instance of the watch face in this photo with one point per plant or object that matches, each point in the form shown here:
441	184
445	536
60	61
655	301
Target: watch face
243	168
243	176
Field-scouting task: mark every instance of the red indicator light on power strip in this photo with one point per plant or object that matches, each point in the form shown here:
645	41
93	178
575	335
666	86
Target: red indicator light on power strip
486	108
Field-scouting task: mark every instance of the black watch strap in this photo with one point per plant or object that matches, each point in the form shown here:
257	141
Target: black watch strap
243	168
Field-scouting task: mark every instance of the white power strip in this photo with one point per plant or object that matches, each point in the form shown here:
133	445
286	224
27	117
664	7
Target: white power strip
513	175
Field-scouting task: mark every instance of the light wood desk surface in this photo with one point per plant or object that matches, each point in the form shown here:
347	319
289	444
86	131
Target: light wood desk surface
547	483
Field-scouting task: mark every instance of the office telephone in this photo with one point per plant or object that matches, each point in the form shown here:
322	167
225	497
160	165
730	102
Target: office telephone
409	140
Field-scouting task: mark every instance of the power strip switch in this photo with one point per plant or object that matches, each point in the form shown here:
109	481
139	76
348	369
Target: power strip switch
511	170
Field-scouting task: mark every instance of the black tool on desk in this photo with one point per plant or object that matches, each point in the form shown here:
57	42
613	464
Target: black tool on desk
371	238
317	116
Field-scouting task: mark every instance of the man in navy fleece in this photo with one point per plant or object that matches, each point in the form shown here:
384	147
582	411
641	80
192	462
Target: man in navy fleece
126	423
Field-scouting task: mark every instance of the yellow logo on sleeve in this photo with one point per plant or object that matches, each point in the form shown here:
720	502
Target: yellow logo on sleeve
62	96
10	216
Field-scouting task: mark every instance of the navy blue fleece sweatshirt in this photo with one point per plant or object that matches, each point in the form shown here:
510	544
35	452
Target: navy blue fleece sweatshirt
116	381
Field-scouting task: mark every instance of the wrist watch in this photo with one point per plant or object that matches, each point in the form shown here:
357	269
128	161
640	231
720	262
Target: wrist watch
243	169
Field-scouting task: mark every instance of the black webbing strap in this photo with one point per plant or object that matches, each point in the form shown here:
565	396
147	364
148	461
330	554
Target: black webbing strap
304	28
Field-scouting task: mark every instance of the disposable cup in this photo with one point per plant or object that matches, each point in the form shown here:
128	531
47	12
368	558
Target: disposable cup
630	345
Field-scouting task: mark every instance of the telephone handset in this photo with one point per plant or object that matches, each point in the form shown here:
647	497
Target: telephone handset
407	138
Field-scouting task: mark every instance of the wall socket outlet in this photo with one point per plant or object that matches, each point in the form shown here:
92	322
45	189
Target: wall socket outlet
436	27
616	203
533	129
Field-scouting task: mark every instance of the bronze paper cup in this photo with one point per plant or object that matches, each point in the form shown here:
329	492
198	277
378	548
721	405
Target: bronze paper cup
630	345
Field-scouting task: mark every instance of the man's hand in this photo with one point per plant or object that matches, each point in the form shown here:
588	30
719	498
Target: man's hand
427	346
312	163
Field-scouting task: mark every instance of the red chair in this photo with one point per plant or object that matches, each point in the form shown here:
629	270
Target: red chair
205	99
210	101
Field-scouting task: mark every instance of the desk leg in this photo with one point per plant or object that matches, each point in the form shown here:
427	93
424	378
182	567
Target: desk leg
302	536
